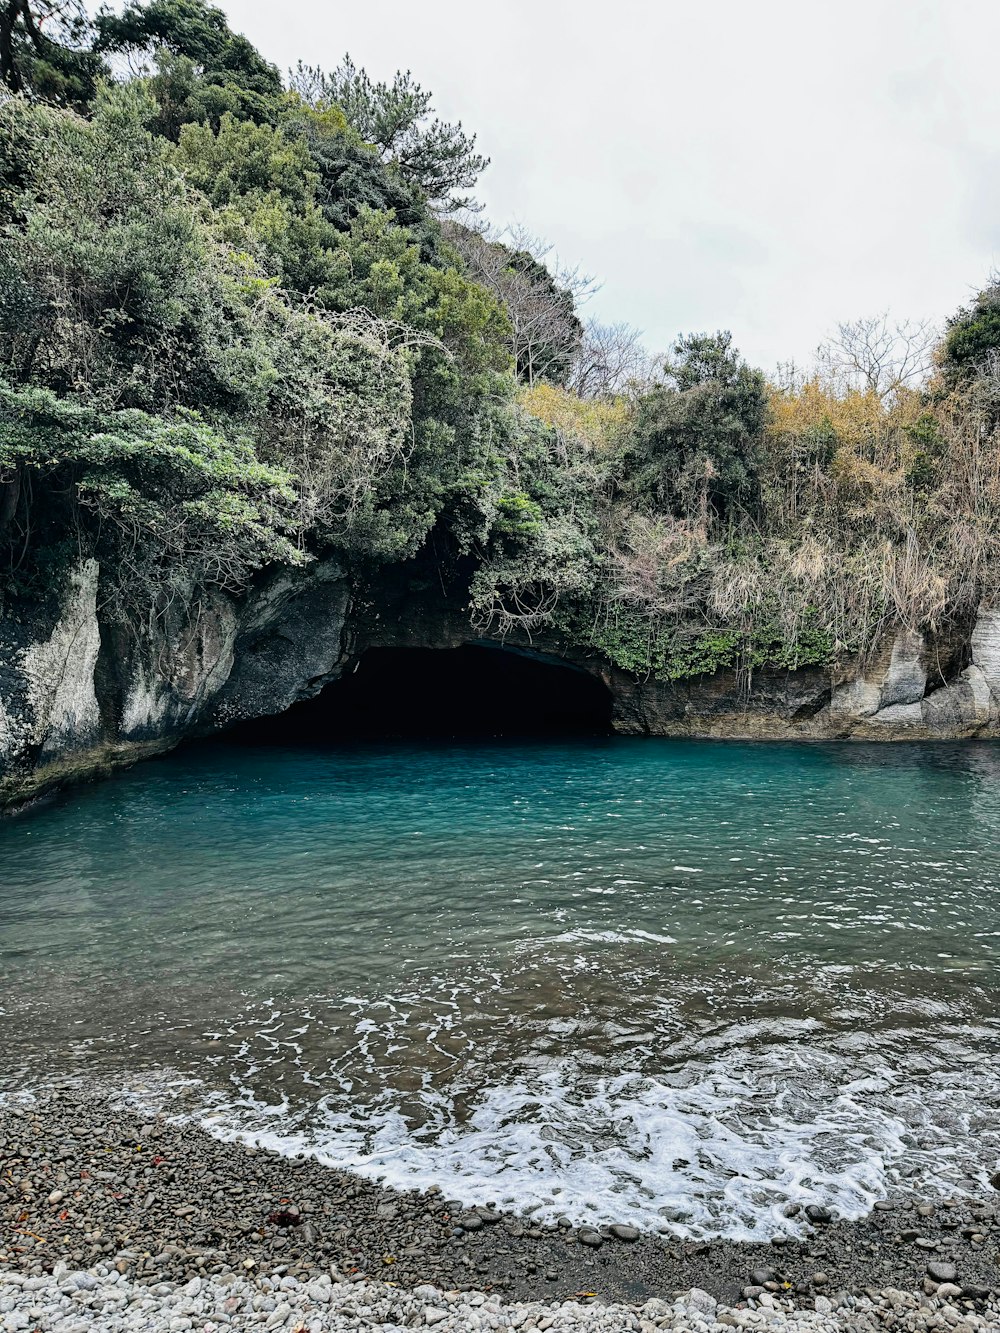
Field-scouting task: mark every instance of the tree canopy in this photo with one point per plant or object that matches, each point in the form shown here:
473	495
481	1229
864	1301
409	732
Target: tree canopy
397	120
241	325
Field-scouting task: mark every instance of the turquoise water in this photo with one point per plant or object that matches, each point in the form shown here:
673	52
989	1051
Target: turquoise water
676	983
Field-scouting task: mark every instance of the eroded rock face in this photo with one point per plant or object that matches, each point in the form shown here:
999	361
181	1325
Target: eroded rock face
177	668
48	701
289	643
79	697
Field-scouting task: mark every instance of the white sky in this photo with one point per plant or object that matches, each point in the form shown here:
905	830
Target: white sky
768	166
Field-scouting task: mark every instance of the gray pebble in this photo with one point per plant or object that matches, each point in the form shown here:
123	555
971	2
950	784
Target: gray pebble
941	1271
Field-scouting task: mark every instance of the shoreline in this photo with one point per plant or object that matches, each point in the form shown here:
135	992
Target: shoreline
86	1181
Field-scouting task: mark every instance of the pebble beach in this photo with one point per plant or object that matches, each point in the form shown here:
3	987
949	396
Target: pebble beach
117	1217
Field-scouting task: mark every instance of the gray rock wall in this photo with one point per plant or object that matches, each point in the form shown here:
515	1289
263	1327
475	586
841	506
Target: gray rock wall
79	697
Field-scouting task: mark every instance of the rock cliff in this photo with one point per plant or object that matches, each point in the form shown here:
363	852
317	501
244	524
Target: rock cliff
81	696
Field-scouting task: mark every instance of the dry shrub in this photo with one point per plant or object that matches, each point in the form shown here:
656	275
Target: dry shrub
658	563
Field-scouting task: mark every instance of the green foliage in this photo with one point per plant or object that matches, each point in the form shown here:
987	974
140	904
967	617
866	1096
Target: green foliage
133	297
698	434
518	517
353	178
165	502
119	292
436	158
681	650
261	180
194	29
923	467
45	51
339	418
973	335
203	68
534	527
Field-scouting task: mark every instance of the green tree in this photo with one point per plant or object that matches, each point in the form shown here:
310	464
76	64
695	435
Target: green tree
201	68
163	502
697	435
133	297
262	181
972	336
353	177
397	119
167	406
45	50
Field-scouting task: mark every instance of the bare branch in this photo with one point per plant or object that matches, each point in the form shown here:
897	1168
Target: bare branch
610	359
540	300
878	355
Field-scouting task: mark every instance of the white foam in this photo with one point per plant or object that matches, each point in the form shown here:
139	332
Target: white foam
709	1152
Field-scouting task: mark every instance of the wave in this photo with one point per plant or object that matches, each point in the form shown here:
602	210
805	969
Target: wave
711	1152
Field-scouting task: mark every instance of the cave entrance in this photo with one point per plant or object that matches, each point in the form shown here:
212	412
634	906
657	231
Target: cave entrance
446	692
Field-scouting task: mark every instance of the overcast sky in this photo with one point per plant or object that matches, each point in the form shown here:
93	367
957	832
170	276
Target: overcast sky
769	167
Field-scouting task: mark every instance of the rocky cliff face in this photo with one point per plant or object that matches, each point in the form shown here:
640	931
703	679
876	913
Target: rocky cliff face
80	696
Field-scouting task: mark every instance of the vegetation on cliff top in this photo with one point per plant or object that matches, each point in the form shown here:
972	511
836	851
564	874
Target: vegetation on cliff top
246	320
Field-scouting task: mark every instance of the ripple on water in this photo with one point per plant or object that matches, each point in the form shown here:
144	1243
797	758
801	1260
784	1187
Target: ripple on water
675	984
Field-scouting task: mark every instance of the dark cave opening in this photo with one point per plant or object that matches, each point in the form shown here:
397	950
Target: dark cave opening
470	691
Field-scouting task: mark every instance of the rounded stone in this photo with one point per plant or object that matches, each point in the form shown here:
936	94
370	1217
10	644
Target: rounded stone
942	1271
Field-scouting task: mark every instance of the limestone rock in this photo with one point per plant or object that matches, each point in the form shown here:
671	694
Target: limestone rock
60	670
906	679
985	646
899	716
856	698
961	708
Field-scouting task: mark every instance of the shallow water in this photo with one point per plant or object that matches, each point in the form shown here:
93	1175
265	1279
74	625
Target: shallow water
680	984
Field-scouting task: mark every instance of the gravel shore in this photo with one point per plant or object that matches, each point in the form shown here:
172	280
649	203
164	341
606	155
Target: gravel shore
116	1219
101	1298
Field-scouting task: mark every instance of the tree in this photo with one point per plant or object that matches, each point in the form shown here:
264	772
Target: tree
156	383
262	181
972	338
541	305
353	177
878	354
193	29
440	159
609	359
698	433
199	68
45	50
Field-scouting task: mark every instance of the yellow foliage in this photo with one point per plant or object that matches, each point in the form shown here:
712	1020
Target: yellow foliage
857	419
863	443
599	423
